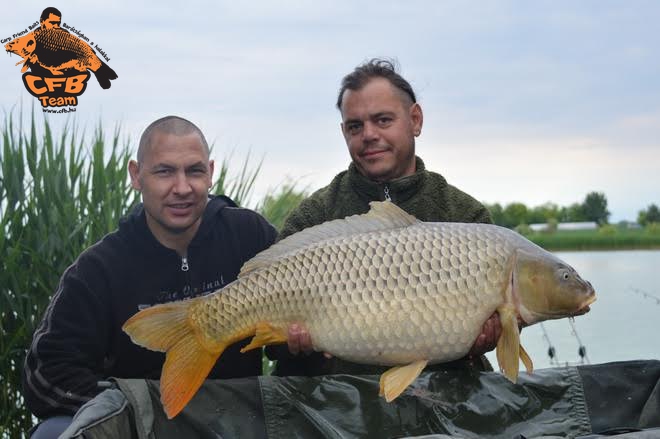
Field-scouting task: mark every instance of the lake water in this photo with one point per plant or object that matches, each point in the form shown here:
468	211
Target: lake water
624	321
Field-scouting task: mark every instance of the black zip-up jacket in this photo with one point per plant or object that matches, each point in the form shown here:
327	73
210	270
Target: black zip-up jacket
80	341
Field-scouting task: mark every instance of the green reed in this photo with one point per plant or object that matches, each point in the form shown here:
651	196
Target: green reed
58	195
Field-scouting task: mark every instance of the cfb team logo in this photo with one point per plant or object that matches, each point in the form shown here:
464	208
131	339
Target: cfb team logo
56	63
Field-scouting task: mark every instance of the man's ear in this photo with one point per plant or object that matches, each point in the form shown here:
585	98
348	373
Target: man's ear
417	118
134	170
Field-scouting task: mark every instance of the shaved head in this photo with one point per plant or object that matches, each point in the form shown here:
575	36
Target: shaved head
173	125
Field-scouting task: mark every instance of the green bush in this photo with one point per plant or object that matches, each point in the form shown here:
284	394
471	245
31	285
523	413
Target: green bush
275	207
652	229
524	229
607	230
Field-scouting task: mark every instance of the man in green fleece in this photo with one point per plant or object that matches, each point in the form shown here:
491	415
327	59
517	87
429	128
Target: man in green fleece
380	120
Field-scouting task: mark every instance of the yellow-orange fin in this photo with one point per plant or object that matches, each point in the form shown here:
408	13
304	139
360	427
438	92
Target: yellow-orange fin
166	328
159	327
527	361
394	381
265	334
186	367
508	346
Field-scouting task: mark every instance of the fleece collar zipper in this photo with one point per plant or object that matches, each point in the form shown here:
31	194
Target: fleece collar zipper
386	191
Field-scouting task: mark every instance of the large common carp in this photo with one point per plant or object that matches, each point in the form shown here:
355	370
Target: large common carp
379	288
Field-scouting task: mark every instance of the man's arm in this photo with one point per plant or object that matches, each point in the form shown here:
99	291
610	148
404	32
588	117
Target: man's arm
63	364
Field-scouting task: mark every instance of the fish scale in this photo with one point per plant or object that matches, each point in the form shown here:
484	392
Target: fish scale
324	285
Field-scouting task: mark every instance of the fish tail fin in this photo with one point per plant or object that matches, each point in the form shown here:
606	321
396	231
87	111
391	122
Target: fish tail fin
167	328
104	74
508	346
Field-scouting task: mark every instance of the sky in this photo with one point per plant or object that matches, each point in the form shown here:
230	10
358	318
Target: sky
527	101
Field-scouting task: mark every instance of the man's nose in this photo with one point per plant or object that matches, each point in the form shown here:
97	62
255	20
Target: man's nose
181	184
369	132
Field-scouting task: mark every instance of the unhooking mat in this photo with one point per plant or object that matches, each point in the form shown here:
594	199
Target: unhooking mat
620	399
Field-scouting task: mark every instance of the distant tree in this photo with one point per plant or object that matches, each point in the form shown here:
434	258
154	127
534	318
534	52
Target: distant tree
595	207
649	215
542	213
653	214
572	213
515	214
496	213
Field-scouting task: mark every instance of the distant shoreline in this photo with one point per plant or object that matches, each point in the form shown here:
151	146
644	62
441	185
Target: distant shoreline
589	240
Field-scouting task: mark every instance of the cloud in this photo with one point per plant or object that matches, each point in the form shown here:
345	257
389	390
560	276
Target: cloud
523	101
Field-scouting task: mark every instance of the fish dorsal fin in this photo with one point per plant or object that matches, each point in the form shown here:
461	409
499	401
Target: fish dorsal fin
383	215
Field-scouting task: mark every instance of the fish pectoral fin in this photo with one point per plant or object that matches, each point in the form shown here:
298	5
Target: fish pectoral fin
186	367
527	361
508	346
265	334
397	379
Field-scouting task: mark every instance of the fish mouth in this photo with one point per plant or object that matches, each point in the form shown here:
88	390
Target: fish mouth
585	308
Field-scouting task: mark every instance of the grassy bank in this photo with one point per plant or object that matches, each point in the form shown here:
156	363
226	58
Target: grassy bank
608	238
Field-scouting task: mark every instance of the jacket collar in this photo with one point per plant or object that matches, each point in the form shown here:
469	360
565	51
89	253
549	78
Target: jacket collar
135	225
399	189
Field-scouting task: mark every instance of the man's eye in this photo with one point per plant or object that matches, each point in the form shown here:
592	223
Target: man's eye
354	128
384	121
163	171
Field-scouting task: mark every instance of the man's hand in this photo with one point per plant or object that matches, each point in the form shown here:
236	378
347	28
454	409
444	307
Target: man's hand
299	340
487	340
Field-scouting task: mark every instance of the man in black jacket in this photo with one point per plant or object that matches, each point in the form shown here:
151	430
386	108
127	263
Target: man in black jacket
179	243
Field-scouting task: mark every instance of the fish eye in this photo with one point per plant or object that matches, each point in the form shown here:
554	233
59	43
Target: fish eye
564	274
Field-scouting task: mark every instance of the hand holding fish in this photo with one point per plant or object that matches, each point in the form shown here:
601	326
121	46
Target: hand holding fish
299	341
487	340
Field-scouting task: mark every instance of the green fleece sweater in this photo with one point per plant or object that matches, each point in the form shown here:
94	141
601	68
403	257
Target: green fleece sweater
425	195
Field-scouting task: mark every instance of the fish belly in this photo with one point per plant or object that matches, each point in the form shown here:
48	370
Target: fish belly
387	297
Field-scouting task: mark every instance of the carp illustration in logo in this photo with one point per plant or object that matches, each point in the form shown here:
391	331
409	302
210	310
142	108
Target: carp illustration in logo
58	62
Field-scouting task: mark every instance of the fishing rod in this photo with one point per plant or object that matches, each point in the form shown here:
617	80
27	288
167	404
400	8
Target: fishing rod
582	350
552	352
645	294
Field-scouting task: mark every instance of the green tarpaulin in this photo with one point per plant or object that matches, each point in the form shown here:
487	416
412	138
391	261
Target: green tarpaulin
584	401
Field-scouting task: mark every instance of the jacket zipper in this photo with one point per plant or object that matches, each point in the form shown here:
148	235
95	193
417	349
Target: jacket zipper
386	191
184	264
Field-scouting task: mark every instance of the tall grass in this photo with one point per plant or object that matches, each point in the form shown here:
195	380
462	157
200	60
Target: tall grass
277	205
59	195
